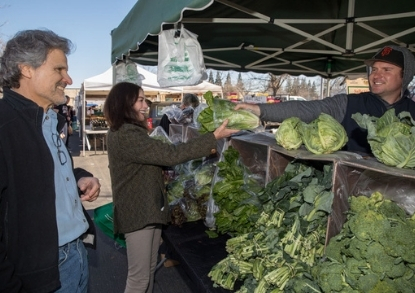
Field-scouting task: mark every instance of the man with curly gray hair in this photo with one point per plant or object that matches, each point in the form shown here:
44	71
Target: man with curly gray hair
42	221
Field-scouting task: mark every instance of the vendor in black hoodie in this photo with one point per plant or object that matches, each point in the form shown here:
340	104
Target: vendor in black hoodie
42	221
389	71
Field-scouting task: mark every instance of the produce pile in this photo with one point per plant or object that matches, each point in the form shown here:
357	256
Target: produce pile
283	251
374	251
234	194
287	238
188	192
324	135
391	137
219	109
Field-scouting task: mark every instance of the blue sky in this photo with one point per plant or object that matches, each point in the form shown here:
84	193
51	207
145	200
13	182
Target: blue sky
87	23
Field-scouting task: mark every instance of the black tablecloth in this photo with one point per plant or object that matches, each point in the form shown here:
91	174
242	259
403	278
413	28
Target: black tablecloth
191	246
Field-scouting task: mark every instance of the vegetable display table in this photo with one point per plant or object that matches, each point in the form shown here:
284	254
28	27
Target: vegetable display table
196	252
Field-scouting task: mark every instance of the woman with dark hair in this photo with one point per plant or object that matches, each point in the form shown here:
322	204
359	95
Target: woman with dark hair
135	163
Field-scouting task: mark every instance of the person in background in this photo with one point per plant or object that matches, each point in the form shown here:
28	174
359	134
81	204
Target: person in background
42	221
64	110
390	71
189	100
136	160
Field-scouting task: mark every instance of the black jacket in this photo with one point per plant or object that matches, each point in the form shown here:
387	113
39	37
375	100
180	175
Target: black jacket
28	228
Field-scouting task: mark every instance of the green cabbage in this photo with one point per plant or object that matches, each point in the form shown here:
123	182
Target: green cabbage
288	135
323	135
219	109
391	138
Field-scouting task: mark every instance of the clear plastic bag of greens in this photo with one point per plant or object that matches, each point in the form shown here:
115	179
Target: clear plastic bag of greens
160	134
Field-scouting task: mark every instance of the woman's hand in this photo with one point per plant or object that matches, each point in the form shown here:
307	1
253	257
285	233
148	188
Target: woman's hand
222	131
250	107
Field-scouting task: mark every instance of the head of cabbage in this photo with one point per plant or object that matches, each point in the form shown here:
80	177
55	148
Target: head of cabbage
391	138
323	135
288	135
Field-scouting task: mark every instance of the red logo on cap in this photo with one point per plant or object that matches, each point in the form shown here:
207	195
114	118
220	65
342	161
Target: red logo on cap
386	51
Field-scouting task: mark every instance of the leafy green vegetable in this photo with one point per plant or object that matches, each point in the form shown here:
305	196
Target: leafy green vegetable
288	135
285	241
219	109
323	135
391	138
238	208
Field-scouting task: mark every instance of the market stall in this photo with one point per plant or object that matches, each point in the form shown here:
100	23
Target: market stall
352	175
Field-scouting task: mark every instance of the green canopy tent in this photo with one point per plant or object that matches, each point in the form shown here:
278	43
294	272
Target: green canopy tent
329	38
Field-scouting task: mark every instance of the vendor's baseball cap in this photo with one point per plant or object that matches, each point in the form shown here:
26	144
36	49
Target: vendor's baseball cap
387	54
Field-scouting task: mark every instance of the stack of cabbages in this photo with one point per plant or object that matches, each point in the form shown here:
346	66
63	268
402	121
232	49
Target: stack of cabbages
323	135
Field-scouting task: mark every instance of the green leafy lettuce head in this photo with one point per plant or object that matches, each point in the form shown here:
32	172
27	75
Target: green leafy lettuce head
288	135
323	135
391	138
220	109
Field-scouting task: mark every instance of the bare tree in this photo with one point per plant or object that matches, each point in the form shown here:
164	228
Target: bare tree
276	82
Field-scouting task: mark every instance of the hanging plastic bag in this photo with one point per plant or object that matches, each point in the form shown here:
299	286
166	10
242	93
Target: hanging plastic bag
180	60
127	72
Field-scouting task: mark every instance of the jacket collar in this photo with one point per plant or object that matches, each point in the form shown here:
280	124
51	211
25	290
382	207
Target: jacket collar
27	107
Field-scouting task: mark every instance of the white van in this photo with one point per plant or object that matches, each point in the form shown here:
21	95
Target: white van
296	98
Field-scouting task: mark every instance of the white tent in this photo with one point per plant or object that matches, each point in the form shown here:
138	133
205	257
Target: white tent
96	88
102	83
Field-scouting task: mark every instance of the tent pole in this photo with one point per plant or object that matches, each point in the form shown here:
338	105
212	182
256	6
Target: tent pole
83	121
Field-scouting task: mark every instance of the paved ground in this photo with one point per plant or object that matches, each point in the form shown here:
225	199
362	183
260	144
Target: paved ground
108	262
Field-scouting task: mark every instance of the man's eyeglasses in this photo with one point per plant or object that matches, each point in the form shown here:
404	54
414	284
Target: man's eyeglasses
58	143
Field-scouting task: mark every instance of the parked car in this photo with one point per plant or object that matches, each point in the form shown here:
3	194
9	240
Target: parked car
296	98
156	112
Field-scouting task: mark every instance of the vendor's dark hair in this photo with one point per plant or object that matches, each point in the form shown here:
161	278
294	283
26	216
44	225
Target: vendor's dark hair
29	47
118	107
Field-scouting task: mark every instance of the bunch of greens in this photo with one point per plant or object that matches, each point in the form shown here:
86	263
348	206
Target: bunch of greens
289	235
219	109
288	135
234	195
374	251
391	137
323	135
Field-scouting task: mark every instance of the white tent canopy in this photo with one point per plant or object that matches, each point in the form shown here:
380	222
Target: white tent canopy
102	83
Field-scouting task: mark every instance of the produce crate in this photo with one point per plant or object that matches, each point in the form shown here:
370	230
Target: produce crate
352	174
253	150
355	177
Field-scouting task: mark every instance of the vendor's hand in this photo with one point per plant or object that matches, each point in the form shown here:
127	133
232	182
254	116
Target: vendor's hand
222	131
250	107
90	188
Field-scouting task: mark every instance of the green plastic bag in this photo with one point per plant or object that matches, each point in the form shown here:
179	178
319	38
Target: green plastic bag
103	218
